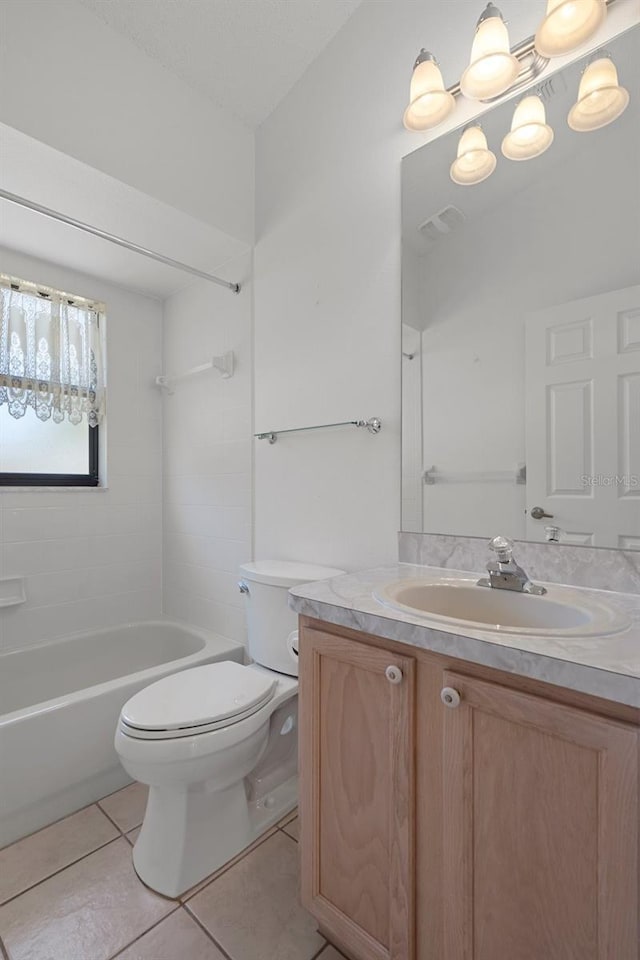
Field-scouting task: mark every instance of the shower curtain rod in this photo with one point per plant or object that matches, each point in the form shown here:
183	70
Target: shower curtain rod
127	244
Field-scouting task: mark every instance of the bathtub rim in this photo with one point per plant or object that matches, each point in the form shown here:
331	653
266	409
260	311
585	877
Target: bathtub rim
212	643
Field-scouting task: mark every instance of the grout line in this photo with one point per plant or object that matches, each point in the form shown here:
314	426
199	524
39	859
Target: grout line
318	955
289	837
145	932
232	863
204	930
325	950
128	838
113	792
111	820
56	872
288	817
284	830
94	803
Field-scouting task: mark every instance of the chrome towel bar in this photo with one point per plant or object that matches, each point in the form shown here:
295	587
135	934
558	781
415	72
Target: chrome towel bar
373	425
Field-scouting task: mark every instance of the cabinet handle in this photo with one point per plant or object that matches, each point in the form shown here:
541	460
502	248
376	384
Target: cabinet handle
393	674
450	697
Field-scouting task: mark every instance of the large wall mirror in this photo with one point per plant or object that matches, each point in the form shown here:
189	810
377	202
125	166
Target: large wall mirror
521	330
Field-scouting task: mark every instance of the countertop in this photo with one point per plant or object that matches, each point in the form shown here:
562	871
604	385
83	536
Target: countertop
603	666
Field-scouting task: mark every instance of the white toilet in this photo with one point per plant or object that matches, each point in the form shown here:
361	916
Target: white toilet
217	744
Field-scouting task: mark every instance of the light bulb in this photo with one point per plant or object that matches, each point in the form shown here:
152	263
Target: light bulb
429	102
492	68
568	24
530	134
474	162
600	98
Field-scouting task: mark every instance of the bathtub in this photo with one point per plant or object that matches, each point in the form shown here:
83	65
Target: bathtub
59	705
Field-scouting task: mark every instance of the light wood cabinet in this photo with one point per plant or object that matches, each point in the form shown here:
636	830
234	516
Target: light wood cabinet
539	830
357	791
500	826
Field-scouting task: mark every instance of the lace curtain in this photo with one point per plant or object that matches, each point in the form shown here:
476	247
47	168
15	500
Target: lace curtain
51	357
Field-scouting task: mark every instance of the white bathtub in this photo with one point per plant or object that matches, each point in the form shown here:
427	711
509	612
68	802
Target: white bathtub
59	705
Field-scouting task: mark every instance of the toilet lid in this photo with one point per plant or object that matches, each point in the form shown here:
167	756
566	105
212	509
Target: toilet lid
214	694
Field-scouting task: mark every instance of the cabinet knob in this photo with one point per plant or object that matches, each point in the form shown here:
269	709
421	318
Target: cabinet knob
450	697
393	674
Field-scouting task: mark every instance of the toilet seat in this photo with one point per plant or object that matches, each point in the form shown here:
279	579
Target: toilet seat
195	701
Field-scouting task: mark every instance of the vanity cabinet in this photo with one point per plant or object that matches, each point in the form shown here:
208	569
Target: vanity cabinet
357	794
453	812
539	828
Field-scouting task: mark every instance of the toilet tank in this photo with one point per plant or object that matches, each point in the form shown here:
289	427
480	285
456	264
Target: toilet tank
271	625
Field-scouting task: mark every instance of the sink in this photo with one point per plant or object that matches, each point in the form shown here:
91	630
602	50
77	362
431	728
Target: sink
561	611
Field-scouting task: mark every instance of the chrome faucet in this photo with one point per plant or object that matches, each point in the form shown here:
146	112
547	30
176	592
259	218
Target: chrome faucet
505	573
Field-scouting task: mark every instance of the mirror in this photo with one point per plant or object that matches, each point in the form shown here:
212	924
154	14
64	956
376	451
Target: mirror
521	330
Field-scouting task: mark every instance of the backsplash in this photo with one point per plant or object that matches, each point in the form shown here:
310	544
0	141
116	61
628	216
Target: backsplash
597	568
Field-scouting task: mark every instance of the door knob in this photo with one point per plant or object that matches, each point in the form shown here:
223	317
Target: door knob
450	697
538	513
393	674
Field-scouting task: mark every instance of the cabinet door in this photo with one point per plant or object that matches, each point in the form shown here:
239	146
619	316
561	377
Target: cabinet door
540	829
356	794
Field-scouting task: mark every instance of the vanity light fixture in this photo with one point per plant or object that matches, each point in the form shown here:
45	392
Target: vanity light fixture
492	68
568	24
530	134
601	99
429	102
474	162
495	68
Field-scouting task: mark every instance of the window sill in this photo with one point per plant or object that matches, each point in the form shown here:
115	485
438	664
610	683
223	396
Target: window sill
54	489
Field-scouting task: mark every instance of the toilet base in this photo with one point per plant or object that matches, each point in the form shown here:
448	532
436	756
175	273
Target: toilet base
188	835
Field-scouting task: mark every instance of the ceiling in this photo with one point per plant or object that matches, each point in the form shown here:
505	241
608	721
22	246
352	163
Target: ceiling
245	55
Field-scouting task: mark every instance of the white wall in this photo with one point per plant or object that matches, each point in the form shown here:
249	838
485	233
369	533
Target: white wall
91	557
68	79
327	278
207	455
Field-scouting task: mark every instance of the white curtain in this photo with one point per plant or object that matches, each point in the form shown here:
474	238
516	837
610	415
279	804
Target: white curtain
51	359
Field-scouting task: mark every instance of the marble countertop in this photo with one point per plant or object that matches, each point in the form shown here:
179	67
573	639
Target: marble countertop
603	666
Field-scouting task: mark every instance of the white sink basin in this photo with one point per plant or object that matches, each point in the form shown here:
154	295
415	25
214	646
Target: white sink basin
463	602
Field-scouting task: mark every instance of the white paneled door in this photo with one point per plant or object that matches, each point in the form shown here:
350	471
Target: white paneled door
583	420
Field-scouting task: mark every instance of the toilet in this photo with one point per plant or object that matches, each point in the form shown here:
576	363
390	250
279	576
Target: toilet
217	744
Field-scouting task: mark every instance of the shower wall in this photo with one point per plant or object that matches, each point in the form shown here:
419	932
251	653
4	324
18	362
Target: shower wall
91	556
208	454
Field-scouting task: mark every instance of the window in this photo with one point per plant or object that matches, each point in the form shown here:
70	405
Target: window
52	389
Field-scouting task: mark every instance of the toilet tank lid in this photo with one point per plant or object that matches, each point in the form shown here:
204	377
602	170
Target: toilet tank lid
286	573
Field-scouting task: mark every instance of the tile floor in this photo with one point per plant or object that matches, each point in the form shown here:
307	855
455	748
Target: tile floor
69	892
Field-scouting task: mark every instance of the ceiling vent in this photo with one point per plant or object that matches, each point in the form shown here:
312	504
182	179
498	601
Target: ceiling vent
551	87
441	223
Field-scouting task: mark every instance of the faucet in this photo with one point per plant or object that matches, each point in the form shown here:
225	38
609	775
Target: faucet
505	573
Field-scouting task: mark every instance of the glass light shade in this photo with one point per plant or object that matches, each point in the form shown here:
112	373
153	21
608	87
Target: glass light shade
600	99
492	68
568	24
474	162
429	102
530	134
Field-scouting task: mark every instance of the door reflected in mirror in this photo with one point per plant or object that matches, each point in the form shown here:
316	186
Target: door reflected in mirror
521	330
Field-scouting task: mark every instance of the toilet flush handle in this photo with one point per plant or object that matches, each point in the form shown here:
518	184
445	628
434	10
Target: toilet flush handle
243	586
